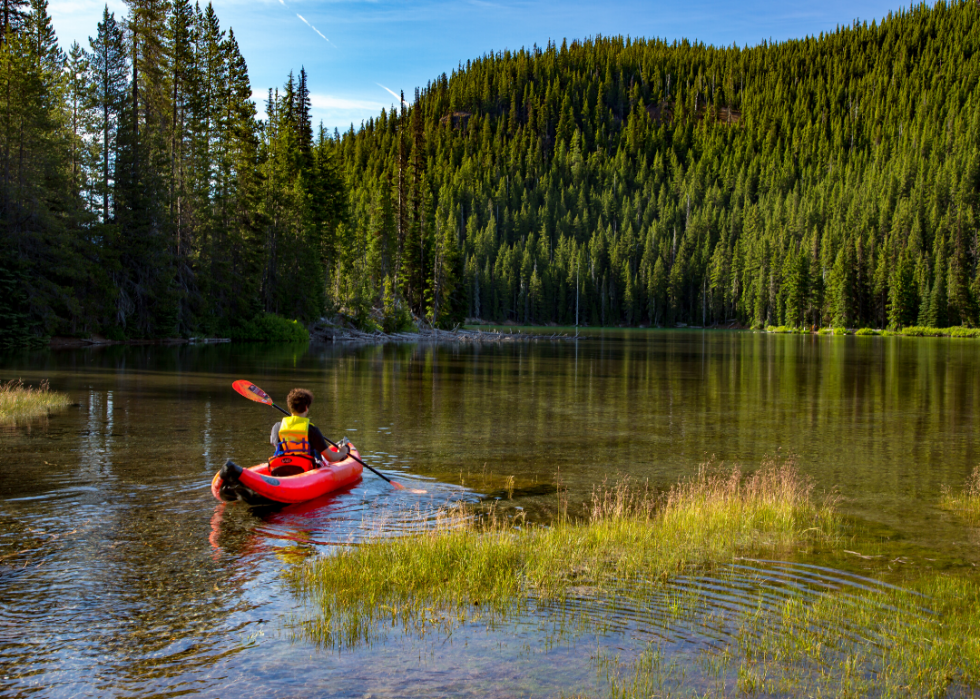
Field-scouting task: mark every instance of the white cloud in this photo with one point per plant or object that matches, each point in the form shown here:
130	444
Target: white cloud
332	110
332	102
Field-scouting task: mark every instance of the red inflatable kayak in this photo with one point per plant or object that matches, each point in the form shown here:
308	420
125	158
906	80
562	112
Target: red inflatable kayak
257	486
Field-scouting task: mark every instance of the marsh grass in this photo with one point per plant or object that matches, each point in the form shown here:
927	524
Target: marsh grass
465	567
19	403
967	502
889	642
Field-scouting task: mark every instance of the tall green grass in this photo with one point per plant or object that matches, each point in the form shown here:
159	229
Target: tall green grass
966	502
19	402
465	563
912	331
922	642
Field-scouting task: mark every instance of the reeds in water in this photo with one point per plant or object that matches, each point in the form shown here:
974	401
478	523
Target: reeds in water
967	502
19	403
923	642
463	563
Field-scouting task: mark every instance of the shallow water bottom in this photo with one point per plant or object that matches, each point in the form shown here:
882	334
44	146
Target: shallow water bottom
121	576
717	634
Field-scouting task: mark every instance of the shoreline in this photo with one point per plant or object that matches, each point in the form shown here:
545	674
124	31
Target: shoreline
957	332
459	335
78	342
473	333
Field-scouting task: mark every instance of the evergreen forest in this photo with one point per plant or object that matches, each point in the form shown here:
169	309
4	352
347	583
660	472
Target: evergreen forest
826	181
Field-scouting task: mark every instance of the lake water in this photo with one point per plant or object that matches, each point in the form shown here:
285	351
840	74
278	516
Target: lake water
120	575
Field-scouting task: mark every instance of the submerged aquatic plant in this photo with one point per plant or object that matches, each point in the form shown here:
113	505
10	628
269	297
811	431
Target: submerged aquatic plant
861	640
966	502
782	629
19	402
465	564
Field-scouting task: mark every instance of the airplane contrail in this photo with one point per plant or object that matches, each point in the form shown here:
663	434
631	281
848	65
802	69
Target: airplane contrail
305	21
314	28
392	93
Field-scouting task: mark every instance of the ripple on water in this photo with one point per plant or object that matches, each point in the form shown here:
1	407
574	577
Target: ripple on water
103	598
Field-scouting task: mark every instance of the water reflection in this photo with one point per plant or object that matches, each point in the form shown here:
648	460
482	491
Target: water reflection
121	574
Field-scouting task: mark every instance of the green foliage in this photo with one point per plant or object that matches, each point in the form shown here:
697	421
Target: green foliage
116	334
963	332
966	502
268	327
820	181
16	329
652	183
867	331
919	331
395	316
630	536
140	194
958	331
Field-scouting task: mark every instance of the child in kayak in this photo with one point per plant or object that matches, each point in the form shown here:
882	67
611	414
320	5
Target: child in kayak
296	436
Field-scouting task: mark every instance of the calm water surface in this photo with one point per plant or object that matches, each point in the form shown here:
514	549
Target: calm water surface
120	575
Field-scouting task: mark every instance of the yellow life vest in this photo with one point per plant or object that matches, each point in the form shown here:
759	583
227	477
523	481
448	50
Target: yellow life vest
294	438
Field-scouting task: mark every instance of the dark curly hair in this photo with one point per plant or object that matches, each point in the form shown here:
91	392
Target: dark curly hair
299	400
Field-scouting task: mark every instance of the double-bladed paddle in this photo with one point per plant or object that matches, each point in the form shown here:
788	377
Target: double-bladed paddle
254	393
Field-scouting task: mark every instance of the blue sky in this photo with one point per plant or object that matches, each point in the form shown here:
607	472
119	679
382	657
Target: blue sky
354	49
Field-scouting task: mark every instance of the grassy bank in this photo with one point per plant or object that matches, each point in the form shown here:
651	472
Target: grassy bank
911	331
630	535
805	634
19	402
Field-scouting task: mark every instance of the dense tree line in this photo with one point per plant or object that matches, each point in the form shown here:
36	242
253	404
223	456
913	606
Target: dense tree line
830	180
139	194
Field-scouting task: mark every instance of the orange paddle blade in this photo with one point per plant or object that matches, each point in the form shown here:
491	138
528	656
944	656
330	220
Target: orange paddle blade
399	486
252	392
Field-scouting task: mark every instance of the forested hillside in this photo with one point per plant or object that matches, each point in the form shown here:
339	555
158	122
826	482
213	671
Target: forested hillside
139	194
829	180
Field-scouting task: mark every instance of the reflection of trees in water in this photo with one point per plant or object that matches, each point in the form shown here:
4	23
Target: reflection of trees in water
128	599
130	590
873	415
111	586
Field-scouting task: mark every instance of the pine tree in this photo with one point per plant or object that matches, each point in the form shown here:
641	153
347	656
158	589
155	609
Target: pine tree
147	304
12	16
798	289
903	301
78	96
415	251
109	76
938	316
842	288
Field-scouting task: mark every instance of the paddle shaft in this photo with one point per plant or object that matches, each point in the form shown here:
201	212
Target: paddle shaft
334	444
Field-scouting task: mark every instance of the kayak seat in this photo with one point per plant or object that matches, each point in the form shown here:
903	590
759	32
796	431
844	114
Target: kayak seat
286	470
288	465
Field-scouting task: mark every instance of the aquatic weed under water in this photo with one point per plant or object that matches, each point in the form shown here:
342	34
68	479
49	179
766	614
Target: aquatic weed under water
887	642
661	566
